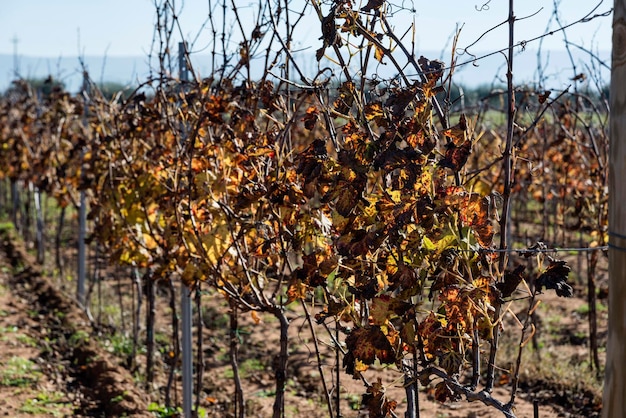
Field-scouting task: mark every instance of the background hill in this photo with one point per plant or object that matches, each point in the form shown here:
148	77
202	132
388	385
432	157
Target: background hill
133	69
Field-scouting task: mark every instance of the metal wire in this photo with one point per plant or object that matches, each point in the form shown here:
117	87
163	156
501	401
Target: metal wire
617	247
547	250
617	235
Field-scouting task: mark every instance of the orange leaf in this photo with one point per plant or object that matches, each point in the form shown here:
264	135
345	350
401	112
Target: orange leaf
311	117
255	317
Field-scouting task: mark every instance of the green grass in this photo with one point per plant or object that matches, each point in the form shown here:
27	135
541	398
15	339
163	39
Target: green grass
584	309
46	404
6	226
78	338
121	345
118	398
170	412
246	368
19	372
354	401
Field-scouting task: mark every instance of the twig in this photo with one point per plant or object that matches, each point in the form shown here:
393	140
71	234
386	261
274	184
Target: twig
483	396
329	401
506	196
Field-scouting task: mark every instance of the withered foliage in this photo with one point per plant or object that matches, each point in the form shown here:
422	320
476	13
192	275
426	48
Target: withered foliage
360	198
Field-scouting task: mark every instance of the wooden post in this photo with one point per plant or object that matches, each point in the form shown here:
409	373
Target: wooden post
614	402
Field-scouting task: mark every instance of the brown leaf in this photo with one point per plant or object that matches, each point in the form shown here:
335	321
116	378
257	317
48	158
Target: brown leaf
311	117
433	70
372	5
443	392
512	279
310	161
484	234
334	308
476	213
329	29
555	277
376	401
296	291
399	99
367	345
319	54
374	111
344	102
456	157
544	96
385	307
457	133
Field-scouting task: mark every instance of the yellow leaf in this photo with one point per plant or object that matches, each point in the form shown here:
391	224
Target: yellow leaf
149	241
373	111
379	53
428	244
359	366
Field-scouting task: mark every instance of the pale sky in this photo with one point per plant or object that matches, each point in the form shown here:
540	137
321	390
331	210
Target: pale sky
67	28
55	28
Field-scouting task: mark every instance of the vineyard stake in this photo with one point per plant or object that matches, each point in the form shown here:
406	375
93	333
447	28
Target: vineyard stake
614	397
185	295
82	215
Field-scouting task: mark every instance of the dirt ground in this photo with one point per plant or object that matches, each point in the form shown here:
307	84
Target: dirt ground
53	363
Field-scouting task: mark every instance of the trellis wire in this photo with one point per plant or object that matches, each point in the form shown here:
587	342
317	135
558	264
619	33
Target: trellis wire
543	250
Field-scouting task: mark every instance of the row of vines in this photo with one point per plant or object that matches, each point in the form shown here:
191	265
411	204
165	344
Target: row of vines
386	216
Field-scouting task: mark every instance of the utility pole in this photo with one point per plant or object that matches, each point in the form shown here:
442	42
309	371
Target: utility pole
16	61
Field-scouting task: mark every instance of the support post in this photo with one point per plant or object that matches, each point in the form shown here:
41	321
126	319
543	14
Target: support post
185	298
614	397
82	219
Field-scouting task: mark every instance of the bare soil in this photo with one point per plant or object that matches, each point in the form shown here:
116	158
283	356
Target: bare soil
71	375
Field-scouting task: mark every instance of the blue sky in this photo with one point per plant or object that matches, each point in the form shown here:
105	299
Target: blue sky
67	28
55	28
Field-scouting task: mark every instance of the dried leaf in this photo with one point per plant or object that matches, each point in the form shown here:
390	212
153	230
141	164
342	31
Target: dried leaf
458	132
374	111
456	157
376	401
311	117
368	345
372	5
385	307
512	279
379	53
555	277
443	392
542	97
433	70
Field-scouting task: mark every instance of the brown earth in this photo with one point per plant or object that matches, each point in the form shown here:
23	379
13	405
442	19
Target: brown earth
67	373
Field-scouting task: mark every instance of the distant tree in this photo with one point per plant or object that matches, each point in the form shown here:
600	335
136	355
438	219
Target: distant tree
43	86
110	89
